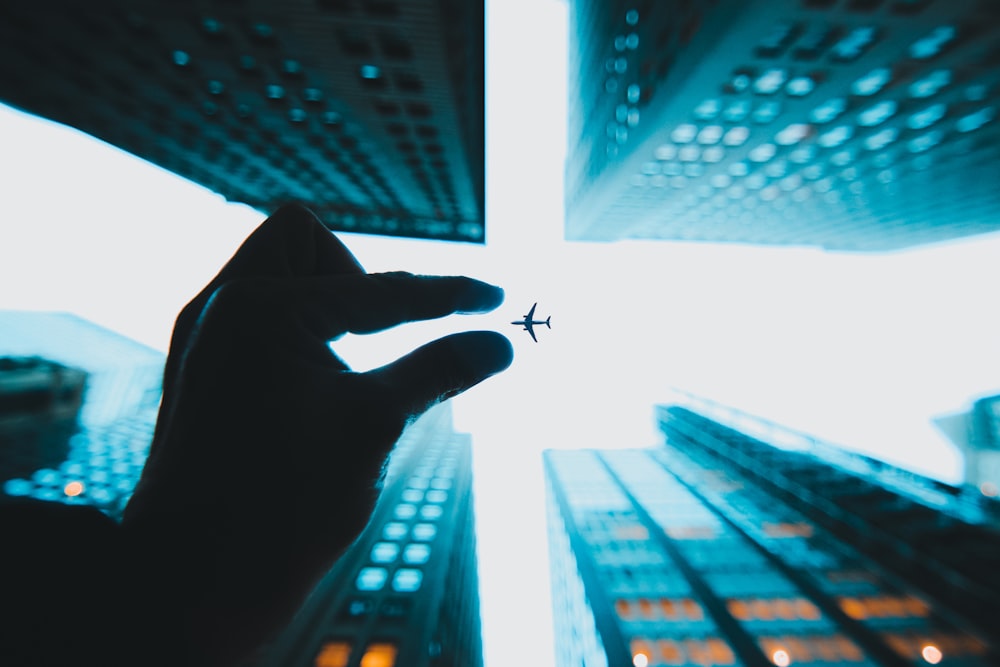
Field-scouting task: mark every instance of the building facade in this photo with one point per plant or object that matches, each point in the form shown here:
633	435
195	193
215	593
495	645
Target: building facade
407	592
757	546
849	125
370	112
976	433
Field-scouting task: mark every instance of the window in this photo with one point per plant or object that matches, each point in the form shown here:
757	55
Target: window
405	511
431	512
412	495
424	532
437	496
416	554
381	654
371	578
384	552
394	531
333	654
407	580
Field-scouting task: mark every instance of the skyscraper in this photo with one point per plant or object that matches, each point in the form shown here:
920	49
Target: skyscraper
742	543
371	112
976	433
407	592
853	125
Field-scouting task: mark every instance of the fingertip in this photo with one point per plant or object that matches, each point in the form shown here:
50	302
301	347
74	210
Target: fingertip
489	352
480	297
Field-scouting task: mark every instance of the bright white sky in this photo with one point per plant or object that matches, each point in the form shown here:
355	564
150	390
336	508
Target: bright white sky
861	350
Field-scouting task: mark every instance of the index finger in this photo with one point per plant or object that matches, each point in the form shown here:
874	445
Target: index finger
373	302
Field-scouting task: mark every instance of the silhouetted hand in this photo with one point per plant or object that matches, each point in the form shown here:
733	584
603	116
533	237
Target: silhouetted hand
268	449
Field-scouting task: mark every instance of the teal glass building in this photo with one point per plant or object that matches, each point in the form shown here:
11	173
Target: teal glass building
742	543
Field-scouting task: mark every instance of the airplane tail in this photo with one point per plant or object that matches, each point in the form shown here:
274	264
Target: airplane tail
547	321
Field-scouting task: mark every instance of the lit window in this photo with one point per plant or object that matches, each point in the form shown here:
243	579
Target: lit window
930	84
692	609
842	158
872	82
836	136
803	155
412	495
651	168
762	153
710	134
736	136
416	554
721	181
792	134
418	483
932	44
620	43
776	169
719	652
384	552
405	511
665	152
813	172
441	483
624	609
806	610
394	531
407	580
828	111
877	114
770	81
689	153
670	652
371	578
931	654
437	496
800	86
924	142
424	532
753	182
633	93
633	117
737	111
708	109
976	120
738	609
853	608
713	154
766	112
740	82
739	169
927	117
379	655
684	134
181	58
333	654
880	140
632	17
641	651
431	512
632	41
370	72
854	43
274	92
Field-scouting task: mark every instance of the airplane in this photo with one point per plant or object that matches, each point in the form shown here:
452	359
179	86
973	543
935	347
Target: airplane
529	324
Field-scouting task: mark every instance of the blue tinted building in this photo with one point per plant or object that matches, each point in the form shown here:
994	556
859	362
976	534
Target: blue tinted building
407	592
851	125
753	545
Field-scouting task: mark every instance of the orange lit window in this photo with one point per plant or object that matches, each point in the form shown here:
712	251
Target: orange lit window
333	654
900	645
915	607
848	649
670	652
720	653
784	609
697	652
669	609
826	649
797	649
692	609
646	609
806	610
853	608
788	529
641	647
761	609
738	609
633	532
624	609
894	607
770	645
379	655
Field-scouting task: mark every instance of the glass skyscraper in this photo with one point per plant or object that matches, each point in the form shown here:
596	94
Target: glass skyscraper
407	592
850	125
742	543
370	113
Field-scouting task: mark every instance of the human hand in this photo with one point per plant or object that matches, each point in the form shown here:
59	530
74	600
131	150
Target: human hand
268	449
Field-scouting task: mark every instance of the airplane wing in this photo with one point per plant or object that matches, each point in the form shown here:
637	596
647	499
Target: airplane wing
531	313
530	329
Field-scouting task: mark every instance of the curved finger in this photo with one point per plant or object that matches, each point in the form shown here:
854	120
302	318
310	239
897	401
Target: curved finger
443	368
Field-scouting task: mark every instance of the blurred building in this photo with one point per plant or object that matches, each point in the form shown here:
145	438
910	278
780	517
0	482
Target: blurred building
851	125
94	456
407	592
371	112
741	543
39	410
976	433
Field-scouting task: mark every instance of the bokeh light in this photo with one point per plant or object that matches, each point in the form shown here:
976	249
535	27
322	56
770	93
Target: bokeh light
781	658
73	489
931	654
